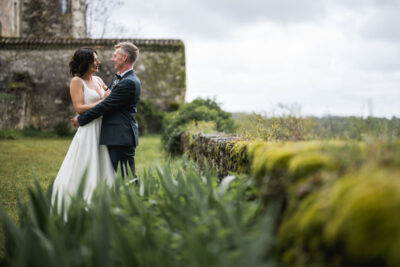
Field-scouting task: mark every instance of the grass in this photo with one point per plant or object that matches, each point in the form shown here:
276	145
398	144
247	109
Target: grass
22	158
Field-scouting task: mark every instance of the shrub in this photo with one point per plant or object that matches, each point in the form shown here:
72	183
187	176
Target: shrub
36	133
26	132
63	128
292	127
10	134
198	110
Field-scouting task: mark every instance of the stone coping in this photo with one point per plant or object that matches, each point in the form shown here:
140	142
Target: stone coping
29	43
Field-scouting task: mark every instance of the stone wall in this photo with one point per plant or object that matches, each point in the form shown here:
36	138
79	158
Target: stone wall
325	199
216	150
34	77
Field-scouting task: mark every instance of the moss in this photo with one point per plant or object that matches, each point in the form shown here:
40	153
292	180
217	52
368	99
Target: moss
238	158
7	97
16	85
355	219
306	164
366	217
270	158
164	77
303	232
217	150
278	158
254	147
257	158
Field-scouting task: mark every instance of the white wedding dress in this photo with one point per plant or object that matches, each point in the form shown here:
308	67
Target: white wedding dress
84	155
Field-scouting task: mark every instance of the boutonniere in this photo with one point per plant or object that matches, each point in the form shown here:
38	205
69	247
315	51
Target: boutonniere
115	82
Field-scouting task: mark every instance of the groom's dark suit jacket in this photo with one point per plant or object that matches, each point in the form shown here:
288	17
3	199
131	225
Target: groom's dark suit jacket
119	127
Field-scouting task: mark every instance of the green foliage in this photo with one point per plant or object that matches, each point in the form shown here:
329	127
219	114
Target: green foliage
8	97
33	132
198	110
176	216
204	127
22	157
10	134
287	126
149	117
292	127
63	128
26	132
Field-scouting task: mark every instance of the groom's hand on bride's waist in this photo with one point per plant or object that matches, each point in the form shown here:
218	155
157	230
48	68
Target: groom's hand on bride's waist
107	93
74	122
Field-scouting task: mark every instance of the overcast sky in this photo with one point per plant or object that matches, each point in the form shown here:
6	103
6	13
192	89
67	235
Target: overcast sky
331	57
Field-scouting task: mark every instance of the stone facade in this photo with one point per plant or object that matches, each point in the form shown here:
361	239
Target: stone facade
34	77
10	18
43	18
78	16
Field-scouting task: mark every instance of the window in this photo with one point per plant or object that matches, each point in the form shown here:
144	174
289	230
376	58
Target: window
66	6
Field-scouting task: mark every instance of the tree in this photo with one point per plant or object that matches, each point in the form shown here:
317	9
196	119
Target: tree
99	20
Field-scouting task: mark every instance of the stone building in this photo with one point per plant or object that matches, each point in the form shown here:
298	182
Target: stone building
34	76
10	18
38	38
43	18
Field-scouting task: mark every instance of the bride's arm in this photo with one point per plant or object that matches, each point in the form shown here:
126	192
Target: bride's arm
76	91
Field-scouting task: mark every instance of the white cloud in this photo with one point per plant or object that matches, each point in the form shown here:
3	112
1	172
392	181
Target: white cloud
338	57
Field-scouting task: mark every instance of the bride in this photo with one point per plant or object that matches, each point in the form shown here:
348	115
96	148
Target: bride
85	155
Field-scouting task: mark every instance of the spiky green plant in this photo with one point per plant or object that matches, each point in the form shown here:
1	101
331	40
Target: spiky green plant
176	216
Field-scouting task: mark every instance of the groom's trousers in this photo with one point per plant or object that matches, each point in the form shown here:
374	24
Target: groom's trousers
123	156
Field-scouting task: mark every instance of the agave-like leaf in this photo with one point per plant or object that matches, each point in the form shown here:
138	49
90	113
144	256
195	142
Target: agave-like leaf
12	234
224	185
40	205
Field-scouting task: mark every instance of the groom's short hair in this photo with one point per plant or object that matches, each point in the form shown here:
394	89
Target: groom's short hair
130	49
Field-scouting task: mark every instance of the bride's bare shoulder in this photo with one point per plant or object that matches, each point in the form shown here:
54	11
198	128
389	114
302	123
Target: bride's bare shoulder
76	83
76	80
99	79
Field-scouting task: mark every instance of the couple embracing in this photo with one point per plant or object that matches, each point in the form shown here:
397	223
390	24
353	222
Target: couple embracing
108	132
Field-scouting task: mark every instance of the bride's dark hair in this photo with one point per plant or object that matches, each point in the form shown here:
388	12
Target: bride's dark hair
81	61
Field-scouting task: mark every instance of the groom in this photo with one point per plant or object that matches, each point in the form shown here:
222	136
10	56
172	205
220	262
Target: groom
119	129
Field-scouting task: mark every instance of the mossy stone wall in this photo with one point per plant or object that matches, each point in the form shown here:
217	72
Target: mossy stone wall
338	201
34	77
216	150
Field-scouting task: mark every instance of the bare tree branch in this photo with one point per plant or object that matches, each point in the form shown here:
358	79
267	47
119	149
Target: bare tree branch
99	20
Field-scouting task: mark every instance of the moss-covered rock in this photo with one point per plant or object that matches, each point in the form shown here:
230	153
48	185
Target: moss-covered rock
306	164
238	157
338	200
353	222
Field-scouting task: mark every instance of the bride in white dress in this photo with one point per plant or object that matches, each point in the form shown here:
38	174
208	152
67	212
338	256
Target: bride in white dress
84	155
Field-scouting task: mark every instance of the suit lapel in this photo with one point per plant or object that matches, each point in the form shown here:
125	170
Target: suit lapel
112	81
115	81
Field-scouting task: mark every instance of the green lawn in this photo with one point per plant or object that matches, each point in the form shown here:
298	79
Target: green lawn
23	158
